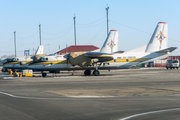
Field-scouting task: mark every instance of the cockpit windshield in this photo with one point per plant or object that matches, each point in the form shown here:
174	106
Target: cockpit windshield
15	59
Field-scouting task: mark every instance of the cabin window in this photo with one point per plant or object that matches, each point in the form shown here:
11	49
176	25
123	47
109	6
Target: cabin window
13	59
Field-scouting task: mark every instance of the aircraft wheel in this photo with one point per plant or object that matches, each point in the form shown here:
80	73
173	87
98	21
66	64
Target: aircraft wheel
44	74
177	67
96	72
87	72
166	67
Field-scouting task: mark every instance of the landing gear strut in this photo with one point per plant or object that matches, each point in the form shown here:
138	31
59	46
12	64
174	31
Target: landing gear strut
96	71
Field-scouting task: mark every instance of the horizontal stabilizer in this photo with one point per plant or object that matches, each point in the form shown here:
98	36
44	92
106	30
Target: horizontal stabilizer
167	50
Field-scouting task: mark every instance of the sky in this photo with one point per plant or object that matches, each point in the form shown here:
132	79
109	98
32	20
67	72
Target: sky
135	21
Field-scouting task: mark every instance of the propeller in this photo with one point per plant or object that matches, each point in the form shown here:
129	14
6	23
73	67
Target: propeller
67	58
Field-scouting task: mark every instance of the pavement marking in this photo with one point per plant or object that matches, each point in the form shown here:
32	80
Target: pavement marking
91	96
86	98
35	98
146	113
6	78
14	96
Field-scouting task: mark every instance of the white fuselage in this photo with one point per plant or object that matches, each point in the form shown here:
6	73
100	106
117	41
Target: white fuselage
123	60
18	63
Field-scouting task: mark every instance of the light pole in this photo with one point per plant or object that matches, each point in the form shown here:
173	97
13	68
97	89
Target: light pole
74	28
15	42
107	19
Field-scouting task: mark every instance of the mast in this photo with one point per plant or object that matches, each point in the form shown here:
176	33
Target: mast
40	33
107	19
15	42
74	28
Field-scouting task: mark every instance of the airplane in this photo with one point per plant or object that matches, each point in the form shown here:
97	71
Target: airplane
157	48
22	62
60	61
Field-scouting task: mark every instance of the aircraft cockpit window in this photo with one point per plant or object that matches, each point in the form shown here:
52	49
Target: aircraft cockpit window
15	59
40	59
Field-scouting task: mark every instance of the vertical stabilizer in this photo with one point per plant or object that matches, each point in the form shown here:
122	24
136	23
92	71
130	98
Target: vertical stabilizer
111	43
40	50
159	39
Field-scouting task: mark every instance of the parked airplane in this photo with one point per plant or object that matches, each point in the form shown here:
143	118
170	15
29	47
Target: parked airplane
53	62
154	50
22	62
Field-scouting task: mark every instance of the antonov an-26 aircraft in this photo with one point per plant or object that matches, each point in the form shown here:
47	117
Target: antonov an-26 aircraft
22	62
108	58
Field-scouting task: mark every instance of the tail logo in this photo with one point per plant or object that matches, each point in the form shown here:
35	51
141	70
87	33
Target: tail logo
111	44
160	37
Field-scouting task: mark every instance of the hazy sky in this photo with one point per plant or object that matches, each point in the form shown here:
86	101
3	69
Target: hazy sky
134	19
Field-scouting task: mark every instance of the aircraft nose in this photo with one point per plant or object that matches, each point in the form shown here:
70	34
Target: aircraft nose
7	65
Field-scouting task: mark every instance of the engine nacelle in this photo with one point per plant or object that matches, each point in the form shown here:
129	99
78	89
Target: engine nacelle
22	63
78	58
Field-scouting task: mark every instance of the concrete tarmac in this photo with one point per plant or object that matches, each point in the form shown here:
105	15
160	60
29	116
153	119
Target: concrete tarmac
127	94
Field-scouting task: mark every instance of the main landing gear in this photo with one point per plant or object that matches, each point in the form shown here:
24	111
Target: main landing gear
88	72
44	74
95	72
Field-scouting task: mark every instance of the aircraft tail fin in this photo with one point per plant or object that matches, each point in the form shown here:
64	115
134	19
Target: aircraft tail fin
111	43
40	50
159	39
